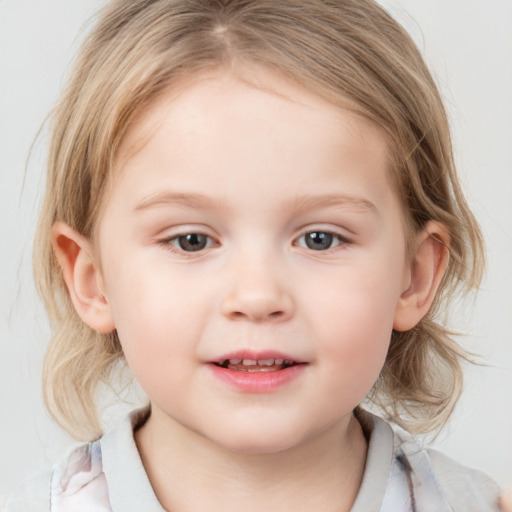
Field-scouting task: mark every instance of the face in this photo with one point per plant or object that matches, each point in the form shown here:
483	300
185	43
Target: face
253	254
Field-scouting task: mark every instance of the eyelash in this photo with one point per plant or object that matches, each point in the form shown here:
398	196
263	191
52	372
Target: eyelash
176	242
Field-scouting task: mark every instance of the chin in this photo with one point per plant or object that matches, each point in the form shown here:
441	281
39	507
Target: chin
258	440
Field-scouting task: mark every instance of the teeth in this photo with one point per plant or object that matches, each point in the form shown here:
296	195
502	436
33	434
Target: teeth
257	363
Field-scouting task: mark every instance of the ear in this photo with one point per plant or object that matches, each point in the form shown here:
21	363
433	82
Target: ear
82	276
424	276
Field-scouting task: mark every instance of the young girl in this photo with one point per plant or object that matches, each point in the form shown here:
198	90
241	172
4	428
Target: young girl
253	204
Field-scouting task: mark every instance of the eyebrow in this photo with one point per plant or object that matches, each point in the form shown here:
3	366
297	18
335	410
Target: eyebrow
311	202
190	200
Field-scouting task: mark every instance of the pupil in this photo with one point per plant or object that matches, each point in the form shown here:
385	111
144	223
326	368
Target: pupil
318	240
192	242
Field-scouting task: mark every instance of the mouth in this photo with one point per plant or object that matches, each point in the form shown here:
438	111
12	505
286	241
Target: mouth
266	371
256	365
261	372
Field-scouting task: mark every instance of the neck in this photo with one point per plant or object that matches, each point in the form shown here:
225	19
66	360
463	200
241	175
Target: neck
323	473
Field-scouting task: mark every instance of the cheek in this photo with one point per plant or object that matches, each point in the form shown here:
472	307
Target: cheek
355	355
155	346
152	314
355	325
360	332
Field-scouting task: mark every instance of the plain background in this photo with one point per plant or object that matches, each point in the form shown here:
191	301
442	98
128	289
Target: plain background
469	47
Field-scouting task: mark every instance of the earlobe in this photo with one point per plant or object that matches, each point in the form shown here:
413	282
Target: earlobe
426	272
82	276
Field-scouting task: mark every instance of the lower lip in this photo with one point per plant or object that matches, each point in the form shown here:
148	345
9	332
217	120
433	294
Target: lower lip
257	382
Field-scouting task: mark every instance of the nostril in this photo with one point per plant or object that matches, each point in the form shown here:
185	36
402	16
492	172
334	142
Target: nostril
257	315
257	305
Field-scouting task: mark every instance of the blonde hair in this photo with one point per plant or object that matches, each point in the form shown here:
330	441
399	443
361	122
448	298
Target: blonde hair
350	52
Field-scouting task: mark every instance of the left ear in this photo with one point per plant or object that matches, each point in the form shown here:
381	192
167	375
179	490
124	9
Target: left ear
426	272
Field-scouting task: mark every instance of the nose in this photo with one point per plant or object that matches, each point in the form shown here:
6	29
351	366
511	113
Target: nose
257	293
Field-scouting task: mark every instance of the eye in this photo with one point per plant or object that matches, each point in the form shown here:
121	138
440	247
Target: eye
320	240
191	242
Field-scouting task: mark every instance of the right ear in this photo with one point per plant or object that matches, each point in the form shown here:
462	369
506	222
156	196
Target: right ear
82	276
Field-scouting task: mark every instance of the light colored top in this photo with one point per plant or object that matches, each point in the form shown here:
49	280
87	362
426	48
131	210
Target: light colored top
108	476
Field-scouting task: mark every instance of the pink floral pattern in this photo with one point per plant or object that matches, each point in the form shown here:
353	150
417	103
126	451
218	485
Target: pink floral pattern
78	484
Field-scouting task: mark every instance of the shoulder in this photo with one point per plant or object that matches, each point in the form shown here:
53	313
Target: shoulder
79	481
466	489
70	483
401	474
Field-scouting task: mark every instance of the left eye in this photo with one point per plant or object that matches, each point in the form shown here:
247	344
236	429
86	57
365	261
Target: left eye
191	242
320	240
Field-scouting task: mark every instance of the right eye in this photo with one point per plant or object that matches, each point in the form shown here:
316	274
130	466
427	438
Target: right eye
191	242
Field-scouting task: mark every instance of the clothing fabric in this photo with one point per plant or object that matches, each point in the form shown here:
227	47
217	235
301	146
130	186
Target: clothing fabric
108	476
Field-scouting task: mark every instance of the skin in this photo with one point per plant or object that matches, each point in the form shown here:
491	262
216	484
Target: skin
506	501
256	170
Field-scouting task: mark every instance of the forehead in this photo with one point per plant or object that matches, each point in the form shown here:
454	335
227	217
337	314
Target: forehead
191	98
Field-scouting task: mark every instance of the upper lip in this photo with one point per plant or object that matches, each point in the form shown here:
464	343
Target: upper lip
253	355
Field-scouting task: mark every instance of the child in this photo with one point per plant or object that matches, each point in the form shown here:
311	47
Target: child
254	205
